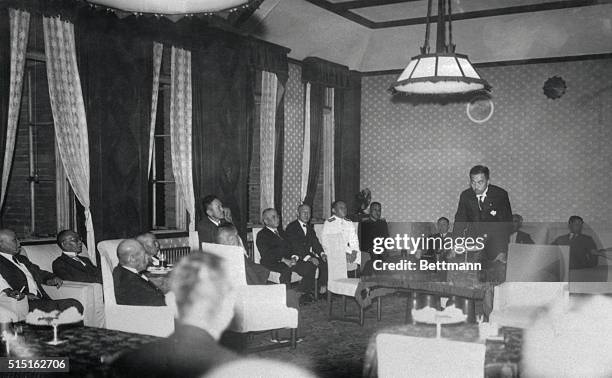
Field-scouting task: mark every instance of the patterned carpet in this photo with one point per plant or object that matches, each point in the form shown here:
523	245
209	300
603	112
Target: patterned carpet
337	348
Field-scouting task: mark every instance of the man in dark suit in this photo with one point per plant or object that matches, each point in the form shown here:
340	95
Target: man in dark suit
131	286
278	256
374	226
583	250
435	243
70	265
205	302
212	218
517	236
305	243
484	211
20	278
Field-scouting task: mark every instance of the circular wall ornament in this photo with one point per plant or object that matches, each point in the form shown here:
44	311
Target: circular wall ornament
554	87
479	109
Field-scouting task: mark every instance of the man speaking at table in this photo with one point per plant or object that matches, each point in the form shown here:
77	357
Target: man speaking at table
484	211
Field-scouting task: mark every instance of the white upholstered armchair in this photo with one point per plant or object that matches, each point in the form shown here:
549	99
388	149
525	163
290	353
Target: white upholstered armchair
148	320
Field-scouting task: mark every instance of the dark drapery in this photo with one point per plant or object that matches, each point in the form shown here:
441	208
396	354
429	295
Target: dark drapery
222	118
116	70
269	57
317	100
319	71
347	132
5	78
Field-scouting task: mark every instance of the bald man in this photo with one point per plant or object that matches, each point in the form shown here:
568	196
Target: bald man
71	266
132	287
20	278
151	245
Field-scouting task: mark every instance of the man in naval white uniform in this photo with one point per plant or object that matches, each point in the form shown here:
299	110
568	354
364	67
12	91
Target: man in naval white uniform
338	224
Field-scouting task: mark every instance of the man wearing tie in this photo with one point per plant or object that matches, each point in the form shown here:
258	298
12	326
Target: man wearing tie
484	211
304	240
583	251
517	236
132	287
278	255
70	265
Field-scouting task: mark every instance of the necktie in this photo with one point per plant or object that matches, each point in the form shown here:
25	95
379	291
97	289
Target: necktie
480	201
305	229
277	234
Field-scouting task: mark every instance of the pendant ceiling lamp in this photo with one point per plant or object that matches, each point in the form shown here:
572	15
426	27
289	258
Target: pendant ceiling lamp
443	72
171	7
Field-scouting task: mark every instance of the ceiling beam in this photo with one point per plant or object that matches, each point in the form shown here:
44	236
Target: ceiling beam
342	9
344	13
368	3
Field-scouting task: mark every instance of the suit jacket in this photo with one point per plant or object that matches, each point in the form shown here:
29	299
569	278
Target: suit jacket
17	279
131	289
494	220
68	269
273	248
302	244
580	250
189	352
523	238
369	230
207	230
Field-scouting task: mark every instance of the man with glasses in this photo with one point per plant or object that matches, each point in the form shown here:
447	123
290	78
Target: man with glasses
71	266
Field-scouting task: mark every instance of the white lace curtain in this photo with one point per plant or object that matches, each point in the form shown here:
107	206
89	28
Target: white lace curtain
69	113
328	154
19	27
306	145
158	49
267	138
180	130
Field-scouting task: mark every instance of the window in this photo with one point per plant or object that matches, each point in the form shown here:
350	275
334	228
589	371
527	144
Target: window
164	201
30	207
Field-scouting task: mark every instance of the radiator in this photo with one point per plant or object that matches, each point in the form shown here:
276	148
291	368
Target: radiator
174	254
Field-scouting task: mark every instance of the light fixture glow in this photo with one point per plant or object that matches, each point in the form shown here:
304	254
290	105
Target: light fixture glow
443	72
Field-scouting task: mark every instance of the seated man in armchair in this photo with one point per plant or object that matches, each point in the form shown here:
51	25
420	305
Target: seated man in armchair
20	278
71	266
132	287
278	256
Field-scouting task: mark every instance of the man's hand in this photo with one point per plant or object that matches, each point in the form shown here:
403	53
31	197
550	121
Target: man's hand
314	261
501	258
55	281
288	262
352	256
19	295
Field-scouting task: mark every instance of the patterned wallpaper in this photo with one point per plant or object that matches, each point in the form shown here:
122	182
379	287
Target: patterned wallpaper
294	135
553	156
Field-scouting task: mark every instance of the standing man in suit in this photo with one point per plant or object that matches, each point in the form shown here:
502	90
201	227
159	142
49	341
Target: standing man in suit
214	217
338	224
583	250
132	287
278	256
369	229
71	266
205	301
20	278
303	238
517	236
484	211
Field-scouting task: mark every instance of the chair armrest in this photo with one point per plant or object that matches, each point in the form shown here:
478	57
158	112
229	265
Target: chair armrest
148	320
81	291
264	295
19	308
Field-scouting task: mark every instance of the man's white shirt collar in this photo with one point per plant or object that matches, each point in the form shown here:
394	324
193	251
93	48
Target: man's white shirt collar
483	195
215	222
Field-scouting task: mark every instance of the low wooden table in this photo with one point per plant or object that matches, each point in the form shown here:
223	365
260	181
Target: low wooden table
463	289
88	349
